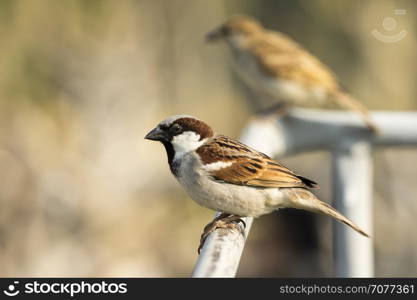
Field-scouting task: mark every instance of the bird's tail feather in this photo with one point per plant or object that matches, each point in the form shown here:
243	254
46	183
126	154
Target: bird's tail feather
347	102
304	199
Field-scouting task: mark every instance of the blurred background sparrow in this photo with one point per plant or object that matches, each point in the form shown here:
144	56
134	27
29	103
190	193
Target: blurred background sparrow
280	71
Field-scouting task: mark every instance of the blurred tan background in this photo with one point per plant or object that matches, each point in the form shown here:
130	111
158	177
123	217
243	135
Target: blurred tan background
81	83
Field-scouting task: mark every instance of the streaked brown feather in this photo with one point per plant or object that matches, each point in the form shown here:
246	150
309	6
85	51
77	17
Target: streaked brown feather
250	167
278	55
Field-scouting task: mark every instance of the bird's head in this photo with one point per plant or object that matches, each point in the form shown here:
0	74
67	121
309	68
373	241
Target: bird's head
181	134
236	30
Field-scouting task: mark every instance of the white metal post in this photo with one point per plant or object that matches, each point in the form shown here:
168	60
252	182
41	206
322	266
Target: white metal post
352	196
221	253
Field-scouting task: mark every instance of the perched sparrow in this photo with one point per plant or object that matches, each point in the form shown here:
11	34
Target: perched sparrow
227	176
280	70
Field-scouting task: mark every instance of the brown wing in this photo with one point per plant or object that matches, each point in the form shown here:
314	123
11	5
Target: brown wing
249	167
279	55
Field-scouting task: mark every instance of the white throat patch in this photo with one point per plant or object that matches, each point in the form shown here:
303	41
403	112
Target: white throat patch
186	142
237	41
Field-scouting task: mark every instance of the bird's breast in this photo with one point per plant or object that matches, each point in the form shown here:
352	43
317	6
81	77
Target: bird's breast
225	197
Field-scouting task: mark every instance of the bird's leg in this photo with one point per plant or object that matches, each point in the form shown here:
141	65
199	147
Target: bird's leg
279	109
224	220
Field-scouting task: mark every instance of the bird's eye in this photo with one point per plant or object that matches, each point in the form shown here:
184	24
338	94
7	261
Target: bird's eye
225	30
176	128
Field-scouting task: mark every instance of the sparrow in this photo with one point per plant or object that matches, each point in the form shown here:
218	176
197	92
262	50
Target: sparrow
227	176
278	69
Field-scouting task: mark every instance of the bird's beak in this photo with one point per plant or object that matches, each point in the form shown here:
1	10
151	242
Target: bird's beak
156	134
214	35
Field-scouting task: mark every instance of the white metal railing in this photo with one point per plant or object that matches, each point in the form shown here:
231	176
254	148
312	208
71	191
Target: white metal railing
350	144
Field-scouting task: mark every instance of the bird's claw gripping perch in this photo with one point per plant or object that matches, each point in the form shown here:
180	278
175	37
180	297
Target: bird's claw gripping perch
222	221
